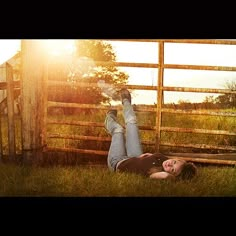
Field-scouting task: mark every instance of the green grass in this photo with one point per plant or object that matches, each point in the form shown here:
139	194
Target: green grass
85	181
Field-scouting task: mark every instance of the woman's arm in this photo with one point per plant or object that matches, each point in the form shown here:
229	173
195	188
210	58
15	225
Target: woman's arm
162	175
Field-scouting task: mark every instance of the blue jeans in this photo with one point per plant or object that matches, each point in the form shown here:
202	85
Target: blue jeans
125	147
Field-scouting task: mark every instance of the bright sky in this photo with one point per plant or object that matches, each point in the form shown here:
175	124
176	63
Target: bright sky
8	48
188	54
177	53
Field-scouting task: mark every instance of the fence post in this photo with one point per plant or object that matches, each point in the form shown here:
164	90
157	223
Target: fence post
160	95
34	90
10	112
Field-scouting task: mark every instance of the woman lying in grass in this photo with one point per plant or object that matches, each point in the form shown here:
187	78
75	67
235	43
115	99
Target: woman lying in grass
125	154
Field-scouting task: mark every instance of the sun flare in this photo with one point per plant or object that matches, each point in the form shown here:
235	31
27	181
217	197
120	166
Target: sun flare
8	48
59	47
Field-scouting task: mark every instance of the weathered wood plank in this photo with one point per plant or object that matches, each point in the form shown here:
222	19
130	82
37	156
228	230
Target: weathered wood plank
10	112
34	74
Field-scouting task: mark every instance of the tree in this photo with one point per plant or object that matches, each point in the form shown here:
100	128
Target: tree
228	100
85	69
208	102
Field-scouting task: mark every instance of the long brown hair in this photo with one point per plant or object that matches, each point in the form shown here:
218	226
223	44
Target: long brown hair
188	171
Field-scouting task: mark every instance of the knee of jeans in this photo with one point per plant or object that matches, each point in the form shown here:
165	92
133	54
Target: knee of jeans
131	120
118	129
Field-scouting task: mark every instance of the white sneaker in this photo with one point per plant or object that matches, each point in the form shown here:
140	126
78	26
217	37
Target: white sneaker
108	90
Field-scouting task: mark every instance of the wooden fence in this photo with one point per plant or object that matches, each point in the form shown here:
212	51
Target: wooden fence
159	109
228	158
12	89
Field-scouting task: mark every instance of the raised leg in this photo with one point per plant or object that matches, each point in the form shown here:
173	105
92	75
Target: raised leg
133	144
117	150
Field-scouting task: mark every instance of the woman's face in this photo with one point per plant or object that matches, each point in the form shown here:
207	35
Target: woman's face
173	166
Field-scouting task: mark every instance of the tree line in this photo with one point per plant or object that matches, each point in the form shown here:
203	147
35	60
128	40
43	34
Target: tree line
223	101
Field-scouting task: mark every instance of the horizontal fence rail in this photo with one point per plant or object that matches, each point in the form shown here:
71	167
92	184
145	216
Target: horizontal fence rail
147	87
193	41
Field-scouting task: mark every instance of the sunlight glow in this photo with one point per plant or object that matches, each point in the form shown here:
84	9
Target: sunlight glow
59	47
8	48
